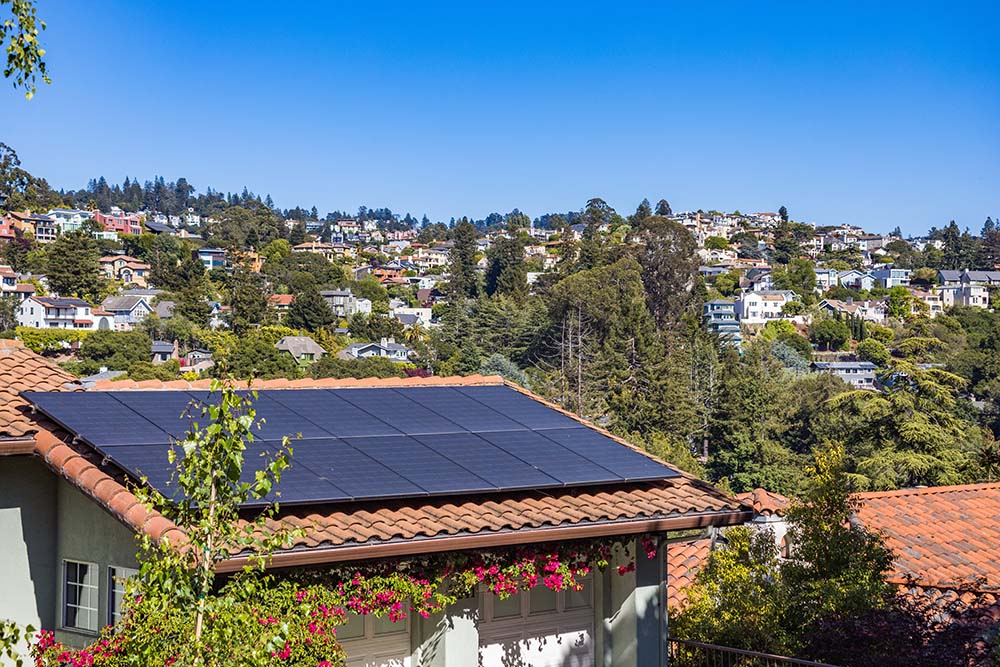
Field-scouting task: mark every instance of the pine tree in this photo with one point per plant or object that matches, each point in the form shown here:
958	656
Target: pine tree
464	279
643	211
247	301
73	266
309	311
663	208
507	275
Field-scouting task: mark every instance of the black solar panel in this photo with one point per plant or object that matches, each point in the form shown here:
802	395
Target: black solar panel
419	464
332	413
358	475
487	461
623	462
523	409
368	443
97	418
558	462
400	412
466	412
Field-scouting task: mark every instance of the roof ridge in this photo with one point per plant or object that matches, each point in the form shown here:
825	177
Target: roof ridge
926	490
305	383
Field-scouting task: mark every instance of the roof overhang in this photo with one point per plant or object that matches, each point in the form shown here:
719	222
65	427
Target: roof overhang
412	547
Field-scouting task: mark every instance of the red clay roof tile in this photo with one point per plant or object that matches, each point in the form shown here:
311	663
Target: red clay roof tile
943	536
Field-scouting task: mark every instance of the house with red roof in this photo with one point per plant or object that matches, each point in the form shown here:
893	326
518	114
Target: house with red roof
385	470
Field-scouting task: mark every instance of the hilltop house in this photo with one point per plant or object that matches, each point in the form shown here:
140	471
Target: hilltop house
384	469
858	374
760	307
872	310
387	348
889	278
856	280
128	311
53	312
719	316
344	304
302	348
128	270
968	294
984	278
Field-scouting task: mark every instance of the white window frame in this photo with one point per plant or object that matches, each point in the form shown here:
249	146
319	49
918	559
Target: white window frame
116	590
93	595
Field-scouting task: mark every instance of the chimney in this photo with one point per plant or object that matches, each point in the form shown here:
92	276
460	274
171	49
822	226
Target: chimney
177	350
850	301
385	341
102	369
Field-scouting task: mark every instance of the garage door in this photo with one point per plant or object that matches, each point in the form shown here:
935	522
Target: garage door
540	628
375	642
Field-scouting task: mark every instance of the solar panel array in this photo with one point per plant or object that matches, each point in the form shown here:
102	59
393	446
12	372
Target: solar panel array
360	444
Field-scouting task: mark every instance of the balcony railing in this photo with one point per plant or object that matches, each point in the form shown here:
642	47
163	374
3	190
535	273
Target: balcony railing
684	653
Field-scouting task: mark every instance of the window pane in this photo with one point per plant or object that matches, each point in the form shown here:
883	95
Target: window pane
507	608
80	596
541	600
116	591
353	628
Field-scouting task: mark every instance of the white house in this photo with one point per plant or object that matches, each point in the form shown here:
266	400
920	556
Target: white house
974	296
387	348
759	307
50	312
345	304
856	280
127	310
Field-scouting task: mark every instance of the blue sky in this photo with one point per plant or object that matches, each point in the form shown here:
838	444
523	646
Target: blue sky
880	114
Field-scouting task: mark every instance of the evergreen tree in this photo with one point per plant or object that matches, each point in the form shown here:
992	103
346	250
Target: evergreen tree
297	234
663	208
247	300
643	211
783	214
507	275
464	278
309	311
73	266
666	251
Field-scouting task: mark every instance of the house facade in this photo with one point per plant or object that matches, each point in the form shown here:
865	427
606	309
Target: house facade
128	270
387	348
51	312
74	521
761	307
128	311
719	316
344	304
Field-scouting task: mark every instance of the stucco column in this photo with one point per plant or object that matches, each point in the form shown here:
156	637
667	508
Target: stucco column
445	640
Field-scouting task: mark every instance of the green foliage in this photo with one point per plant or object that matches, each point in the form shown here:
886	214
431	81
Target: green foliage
116	349
25	56
799	277
666	254
371	367
8	312
919	348
882	334
830	334
870	349
73	266
716	243
48	340
309	311
500	365
912	433
255	356
506	275
247	300
464	276
146	370
746	598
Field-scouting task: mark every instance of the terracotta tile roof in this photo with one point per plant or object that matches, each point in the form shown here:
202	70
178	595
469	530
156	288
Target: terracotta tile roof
384	528
23	370
943	536
765	503
684	559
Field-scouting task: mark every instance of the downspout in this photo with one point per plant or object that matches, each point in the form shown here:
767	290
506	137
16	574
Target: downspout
661	561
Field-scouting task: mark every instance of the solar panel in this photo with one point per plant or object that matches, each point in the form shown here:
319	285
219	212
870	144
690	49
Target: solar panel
97	418
484	459
368	443
596	447
544	454
165	409
523	409
358	475
420	465
332	413
460	409
404	415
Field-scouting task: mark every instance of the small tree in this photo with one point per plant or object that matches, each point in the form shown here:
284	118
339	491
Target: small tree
874	351
830	334
309	311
